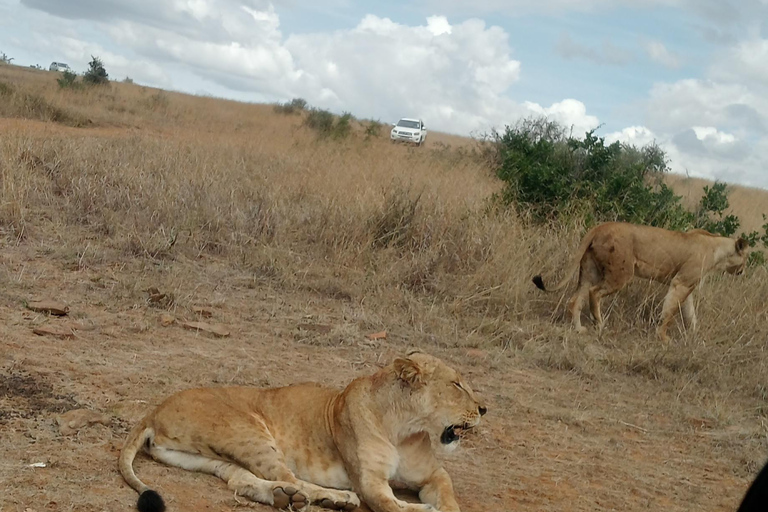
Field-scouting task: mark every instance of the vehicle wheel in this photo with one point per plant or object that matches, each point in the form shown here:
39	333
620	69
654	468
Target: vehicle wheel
419	143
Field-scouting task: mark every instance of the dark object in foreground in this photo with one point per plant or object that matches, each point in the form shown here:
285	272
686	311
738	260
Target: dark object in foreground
756	499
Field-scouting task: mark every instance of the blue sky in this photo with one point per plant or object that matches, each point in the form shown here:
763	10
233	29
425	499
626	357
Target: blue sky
691	75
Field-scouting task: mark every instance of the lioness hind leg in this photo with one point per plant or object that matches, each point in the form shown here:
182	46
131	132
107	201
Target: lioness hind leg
263	459
589	275
278	494
575	306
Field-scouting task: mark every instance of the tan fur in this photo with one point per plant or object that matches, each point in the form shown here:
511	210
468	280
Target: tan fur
308	443
612	253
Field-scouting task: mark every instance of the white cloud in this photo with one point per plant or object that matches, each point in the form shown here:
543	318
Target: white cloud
638	136
661	55
569	113
710	133
438	25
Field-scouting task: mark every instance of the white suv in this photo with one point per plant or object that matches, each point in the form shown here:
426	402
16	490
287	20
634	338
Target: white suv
58	66
409	130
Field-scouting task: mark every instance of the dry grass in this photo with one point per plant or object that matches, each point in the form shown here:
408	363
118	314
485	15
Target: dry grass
244	210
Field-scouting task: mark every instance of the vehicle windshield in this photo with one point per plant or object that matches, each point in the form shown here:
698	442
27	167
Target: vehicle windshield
404	123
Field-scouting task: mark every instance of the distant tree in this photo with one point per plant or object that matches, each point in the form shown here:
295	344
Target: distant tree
5	59
96	74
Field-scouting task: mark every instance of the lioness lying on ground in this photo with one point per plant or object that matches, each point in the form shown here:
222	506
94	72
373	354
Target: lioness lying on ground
612	253
307	443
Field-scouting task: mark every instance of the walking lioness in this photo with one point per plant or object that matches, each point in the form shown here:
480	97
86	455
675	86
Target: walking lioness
302	444
610	254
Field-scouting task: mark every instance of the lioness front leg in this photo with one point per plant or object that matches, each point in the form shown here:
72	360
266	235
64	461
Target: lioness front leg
676	296
378	495
689	313
438	491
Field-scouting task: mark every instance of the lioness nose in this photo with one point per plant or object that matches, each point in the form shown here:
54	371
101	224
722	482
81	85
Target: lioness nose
482	410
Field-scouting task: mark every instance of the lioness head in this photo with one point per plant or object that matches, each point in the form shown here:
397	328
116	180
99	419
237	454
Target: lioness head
445	403
738	260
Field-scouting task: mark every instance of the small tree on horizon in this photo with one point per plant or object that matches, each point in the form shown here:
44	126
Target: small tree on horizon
96	74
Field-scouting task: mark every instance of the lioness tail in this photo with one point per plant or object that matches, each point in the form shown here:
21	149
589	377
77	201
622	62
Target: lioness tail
574	266
149	500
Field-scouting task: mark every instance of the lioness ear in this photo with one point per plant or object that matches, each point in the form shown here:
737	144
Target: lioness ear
409	372
741	245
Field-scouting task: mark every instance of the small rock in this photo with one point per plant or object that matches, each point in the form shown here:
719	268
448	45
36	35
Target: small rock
72	421
203	312
48	306
217	330
166	320
381	335
55	331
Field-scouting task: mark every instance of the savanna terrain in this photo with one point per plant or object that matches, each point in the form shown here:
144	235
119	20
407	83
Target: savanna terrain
142	209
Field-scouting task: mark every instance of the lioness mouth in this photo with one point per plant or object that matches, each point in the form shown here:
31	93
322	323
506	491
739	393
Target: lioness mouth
453	433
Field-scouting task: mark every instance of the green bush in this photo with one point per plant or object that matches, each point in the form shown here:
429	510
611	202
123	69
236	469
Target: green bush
552	175
325	124
342	127
710	214
68	80
373	129
295	106
319	120
96	74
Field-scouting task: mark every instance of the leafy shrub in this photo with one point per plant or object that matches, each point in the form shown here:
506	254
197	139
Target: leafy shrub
551	175
710	214
68	80
96	74
320	120
373	129
342	127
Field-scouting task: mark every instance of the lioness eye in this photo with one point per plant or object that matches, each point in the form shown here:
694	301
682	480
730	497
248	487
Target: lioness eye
458	385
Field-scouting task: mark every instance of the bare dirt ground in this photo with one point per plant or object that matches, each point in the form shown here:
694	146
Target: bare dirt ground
551	441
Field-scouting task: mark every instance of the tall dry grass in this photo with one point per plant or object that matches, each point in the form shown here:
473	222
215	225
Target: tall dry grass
410	233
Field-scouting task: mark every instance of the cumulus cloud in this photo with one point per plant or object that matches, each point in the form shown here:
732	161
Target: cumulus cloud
569	113
637	136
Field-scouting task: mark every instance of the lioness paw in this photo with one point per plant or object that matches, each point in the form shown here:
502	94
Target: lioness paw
346	501
287	496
